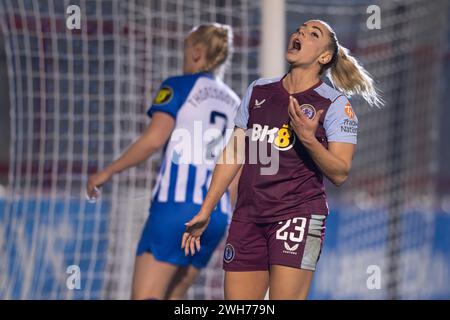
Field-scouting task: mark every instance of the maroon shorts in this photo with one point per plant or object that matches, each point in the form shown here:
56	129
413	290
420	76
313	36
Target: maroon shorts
295	242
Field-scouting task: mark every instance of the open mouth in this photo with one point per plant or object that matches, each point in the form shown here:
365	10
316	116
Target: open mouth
296	45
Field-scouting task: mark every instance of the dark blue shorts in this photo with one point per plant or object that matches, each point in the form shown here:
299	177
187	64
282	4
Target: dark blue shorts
164	230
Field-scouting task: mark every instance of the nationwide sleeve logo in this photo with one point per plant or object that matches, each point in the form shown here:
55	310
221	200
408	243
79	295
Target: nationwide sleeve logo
165	94
349	111
308	110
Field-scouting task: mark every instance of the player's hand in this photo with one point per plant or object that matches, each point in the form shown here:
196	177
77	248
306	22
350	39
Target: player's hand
96	181
194	229
304	127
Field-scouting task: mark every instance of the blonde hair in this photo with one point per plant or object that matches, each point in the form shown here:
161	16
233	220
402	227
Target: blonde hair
218	41
348	75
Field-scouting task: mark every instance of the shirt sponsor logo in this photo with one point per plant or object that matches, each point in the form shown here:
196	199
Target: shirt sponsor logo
282	138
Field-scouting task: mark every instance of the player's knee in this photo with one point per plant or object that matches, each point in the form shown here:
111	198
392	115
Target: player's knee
278	293
180	290
149	298
177	295
146	294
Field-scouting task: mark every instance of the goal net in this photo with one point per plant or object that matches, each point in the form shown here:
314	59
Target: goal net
78	98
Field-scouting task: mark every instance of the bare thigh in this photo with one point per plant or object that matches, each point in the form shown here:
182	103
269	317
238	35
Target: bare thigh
182	280
151	278
246	285
288	283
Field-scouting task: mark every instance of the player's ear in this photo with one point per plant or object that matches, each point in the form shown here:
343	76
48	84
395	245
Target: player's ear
197	52
325	57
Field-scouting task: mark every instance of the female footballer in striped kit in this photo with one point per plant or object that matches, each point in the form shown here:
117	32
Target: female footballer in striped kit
310	128
197	101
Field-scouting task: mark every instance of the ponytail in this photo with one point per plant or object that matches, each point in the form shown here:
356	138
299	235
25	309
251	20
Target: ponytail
347	75
351	78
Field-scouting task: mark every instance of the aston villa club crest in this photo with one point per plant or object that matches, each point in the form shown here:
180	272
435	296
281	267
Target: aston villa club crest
308	110
228	254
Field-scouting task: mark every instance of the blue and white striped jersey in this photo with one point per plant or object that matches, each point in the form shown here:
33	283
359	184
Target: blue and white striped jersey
204	109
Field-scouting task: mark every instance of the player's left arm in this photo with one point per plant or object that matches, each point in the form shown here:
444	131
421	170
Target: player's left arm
336	161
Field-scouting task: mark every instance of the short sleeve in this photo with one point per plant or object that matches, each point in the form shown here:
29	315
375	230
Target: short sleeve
168	99
341	123
242	114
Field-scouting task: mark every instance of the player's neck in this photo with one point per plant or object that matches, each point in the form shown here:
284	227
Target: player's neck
299	80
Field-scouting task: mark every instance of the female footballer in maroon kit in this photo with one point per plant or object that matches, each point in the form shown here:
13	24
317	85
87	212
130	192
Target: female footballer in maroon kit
309	129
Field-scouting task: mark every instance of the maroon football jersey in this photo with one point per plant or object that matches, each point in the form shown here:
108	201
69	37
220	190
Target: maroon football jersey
296	186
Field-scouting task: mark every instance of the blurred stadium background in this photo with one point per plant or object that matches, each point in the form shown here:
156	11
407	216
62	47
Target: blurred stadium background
72	100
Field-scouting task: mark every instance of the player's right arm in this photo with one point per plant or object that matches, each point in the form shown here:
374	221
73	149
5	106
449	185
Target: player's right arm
163	112
153	138
228	166
233	189
229	163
